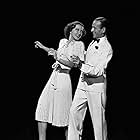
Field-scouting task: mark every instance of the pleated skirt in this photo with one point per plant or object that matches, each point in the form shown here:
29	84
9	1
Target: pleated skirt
55	100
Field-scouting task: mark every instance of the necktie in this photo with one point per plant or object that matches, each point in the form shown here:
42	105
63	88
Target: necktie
96	39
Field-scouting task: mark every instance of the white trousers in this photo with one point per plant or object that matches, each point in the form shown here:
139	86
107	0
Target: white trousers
95	98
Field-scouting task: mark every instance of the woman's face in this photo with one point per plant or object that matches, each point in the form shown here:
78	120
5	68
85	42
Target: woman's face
77	32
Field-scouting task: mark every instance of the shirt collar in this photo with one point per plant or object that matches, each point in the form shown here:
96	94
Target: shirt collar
101	39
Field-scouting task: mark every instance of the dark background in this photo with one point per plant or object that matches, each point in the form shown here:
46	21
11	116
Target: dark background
26	69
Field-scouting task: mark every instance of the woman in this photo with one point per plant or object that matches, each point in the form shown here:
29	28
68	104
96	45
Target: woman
55	101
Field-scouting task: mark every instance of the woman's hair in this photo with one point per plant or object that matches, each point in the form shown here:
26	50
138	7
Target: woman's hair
68	28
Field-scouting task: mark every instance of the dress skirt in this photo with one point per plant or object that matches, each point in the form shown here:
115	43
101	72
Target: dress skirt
55	100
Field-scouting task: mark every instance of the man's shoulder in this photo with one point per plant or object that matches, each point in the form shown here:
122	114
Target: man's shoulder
104	42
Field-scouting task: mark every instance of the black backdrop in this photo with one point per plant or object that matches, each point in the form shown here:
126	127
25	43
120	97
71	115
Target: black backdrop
26	69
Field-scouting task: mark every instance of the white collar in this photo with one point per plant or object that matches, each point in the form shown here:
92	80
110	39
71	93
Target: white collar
102	38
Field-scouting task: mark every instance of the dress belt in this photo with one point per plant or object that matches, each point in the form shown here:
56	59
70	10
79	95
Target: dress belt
57	67
60	70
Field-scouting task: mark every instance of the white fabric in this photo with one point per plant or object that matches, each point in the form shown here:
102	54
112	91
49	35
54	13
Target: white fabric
56	98
78	111
73	48
97	58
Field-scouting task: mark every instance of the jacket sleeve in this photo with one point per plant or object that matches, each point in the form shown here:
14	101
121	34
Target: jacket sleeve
103	61
100	65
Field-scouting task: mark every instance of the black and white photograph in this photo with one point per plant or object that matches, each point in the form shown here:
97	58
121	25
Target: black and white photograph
69	73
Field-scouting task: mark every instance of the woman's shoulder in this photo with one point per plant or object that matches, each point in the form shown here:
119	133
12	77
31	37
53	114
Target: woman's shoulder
63	40
80	42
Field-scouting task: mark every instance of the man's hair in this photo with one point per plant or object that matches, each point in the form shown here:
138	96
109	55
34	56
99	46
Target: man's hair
103	20
68	28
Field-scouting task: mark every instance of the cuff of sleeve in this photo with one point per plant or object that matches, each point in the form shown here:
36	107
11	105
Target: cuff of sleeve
85	68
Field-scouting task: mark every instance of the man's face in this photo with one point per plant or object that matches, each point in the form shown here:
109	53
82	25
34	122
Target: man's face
96	29
77	32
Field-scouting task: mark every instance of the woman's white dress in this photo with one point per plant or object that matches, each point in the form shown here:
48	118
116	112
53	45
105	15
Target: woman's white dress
56	98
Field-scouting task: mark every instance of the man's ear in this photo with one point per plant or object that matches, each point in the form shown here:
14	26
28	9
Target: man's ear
103	30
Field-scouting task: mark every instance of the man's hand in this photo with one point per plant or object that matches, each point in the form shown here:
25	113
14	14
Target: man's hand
77	62
75	59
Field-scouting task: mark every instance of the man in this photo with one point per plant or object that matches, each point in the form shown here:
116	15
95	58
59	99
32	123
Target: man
91	89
